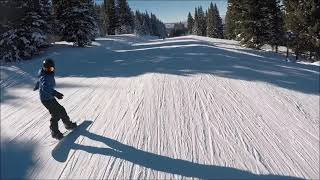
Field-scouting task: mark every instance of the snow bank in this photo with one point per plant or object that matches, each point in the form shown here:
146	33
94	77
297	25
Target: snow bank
317	63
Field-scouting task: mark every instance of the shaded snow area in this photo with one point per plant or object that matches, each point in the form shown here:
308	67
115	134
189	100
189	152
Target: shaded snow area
179	108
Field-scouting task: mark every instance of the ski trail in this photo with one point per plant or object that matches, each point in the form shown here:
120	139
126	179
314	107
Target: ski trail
149	115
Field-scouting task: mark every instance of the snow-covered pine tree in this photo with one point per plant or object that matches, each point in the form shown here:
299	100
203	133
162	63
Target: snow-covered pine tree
202	22
229	23
77	23
275	24
162	29
205	24
214	22
314	30
111	17
145	24
295	23
132	23
58	8
101	19
253	24
46	14
154	25
93	13
36	23
148	20
218	22
302	19
196	26
210	23
104	16
125	19
190	23
233	19
24	36
9	41
138	23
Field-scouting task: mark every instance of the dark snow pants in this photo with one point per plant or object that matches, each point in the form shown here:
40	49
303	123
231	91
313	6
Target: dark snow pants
57	112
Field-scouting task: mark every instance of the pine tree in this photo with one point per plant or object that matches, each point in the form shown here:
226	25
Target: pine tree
275	24
94	14
253	26
190	23
111	17
229	23
58	8
218	22
137	23
11	45
132	23
205	23
26	33
210	23
311	34
302	19
196	26
36	22
77	24
162	29
233	19
46	14
314	29
214	22
202	22
154	25
295	23
147	24
125	18
101	19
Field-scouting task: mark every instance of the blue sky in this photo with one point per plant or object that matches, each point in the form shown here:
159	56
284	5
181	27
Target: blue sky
174	10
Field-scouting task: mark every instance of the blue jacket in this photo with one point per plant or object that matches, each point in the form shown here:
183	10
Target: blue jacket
46	85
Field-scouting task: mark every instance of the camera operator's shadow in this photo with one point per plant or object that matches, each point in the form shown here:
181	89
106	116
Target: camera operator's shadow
149	160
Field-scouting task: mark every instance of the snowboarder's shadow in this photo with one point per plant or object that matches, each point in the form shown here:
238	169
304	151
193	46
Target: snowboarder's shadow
149	160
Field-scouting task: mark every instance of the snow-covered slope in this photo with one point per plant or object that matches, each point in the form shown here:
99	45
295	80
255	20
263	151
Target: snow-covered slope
187	107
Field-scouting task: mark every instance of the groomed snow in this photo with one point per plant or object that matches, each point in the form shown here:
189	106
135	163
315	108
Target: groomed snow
187	107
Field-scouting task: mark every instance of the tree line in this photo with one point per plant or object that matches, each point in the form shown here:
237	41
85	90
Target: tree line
295	23
29	26
116	17
207	23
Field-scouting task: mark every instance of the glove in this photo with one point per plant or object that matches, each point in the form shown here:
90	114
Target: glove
59	95
36	87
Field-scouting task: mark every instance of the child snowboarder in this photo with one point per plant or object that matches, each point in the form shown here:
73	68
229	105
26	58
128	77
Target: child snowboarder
46	84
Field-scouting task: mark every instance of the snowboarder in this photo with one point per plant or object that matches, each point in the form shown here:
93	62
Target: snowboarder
46	84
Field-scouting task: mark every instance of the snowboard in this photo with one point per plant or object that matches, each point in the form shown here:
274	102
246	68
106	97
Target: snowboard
61	150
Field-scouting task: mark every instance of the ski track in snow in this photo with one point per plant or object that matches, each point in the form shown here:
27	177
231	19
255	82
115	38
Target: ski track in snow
142	121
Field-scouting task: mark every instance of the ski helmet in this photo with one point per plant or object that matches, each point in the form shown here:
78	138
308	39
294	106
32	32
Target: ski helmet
47	63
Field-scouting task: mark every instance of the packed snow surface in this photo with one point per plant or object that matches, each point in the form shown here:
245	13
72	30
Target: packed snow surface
187	107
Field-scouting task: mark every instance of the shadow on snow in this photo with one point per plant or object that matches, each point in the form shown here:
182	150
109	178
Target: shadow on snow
16	159
149	160
183	57
188	58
